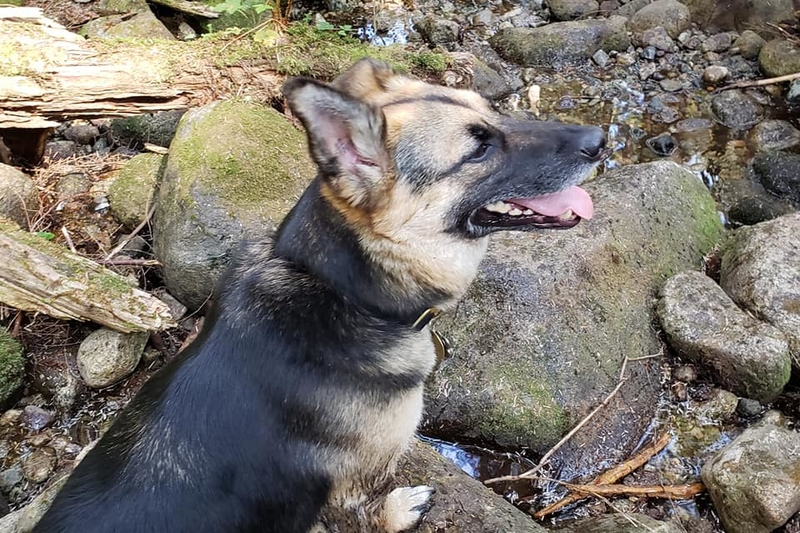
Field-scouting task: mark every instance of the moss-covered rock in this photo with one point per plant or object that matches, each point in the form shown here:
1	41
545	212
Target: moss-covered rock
561	42
779	57
12	367
143	25
131	194
540	337
19	199
233	172
671	15
155	128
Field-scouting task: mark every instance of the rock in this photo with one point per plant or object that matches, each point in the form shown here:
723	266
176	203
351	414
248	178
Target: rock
572	9
761	272
663	145
717	43
35	418
12	368
437	30
671	15
156	128
656	37
561	43
779	173
736	110
176	309
703	324
754	482
537	340
772	135
107	356
779	58
748	407
793	94
82	133
719	406
685	374
10	478
19	199
233	172
751	210
601	58
54	378
487	81
121	6
73	185
715	74
131	193
38	466
460	503
142	25
671	85
623	523
749	44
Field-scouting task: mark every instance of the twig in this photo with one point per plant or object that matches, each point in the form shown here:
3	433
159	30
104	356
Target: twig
530	473
68	238
130	237
760	83
130	262
610	476
677	492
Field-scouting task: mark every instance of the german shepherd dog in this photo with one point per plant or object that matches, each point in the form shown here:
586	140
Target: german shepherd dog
306	384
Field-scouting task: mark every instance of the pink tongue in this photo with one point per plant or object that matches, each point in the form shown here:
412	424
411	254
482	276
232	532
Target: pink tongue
553	205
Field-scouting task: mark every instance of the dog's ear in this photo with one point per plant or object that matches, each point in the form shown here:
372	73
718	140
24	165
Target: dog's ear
346	136
365	78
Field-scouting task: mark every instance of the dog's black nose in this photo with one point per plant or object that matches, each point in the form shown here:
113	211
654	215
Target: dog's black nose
592	142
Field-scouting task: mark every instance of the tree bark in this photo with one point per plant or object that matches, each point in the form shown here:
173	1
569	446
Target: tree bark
49	74
42	277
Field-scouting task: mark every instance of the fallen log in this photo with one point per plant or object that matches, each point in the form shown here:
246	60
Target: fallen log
42	277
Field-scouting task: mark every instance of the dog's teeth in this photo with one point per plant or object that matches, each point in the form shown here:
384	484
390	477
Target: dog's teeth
527	212
515	212
567	215
498	207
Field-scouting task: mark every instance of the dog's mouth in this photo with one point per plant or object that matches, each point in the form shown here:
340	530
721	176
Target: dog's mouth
561	210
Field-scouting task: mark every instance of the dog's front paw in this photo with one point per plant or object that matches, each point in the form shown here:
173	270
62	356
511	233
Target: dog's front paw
405	506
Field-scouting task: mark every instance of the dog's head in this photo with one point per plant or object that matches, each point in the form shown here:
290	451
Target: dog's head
429	170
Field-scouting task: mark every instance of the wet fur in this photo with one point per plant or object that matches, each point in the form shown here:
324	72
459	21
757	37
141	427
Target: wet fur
306	384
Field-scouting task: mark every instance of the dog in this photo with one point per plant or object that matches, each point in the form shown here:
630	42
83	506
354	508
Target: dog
306	384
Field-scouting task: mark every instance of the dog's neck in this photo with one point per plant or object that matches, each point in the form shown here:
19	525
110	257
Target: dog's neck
316	238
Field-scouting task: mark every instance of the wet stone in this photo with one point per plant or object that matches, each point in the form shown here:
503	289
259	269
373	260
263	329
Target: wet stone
748	407
35	418
772	135
648	52
779	58
10	477
663	145
779	173
736	109
754	209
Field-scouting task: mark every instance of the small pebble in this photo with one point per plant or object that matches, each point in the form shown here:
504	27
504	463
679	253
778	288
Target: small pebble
748	407
715	74
671	85
601	58
685	373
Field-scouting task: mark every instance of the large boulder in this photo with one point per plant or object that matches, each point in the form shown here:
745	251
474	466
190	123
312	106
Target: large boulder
671	15
623	523
539	339
779	173
741	15
19	199
761	272
572	9
702	323
754	482
561	42
234	171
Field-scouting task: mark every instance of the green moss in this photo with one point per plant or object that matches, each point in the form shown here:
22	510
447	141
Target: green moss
131	194
522	408
114	283
12	366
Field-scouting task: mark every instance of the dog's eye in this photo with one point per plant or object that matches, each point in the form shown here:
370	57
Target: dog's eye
480	153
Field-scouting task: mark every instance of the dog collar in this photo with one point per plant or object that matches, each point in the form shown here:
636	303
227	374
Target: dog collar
425	318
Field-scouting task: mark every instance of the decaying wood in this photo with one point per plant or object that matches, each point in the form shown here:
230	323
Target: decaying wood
43	277
761	83
51	74
610	476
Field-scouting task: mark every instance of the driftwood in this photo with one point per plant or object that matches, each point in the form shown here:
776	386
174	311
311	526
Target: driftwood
43	277
49	74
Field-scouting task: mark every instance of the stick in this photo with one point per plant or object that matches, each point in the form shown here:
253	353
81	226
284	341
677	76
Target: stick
530	473
760	83
131	262
68	238
610	476
130	237
677	492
